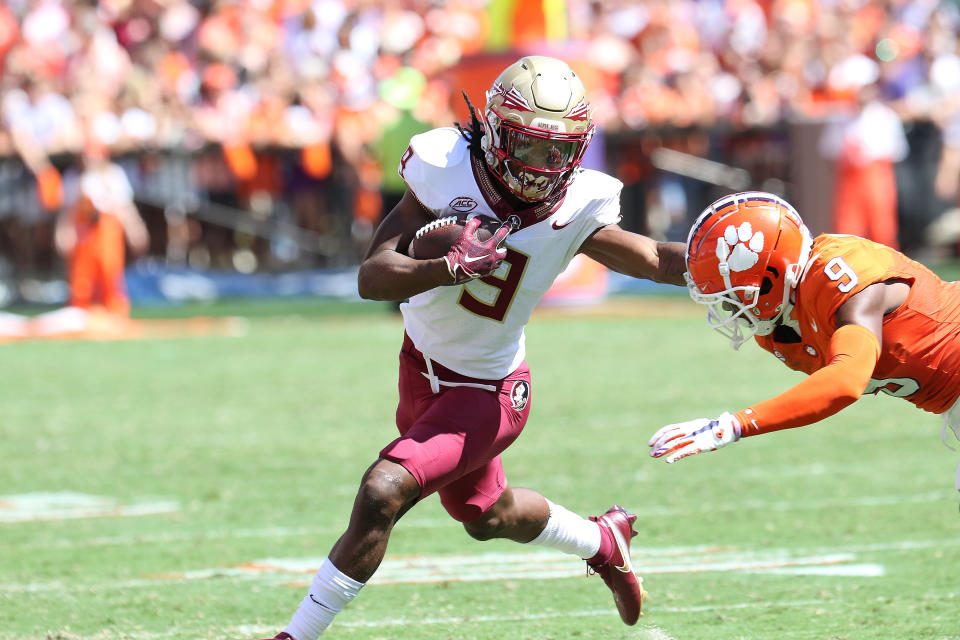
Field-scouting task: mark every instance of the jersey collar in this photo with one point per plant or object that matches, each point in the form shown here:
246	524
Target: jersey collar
501	206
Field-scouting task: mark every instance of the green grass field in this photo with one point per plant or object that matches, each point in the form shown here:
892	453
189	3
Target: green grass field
187	489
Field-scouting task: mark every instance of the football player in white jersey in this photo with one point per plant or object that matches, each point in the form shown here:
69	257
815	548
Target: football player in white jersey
465	388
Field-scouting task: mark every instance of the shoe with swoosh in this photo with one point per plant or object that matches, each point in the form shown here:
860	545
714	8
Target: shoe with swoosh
283	635
616	571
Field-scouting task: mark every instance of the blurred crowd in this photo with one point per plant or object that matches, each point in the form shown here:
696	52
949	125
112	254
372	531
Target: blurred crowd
179	73
343	83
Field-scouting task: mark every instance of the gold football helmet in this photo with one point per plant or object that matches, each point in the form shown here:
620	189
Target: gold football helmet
537	125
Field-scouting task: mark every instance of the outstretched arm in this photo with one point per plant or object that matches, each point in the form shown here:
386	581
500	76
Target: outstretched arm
635	255
854	351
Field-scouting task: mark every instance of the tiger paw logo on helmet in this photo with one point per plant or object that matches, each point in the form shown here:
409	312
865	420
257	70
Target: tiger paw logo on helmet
745	254
745	244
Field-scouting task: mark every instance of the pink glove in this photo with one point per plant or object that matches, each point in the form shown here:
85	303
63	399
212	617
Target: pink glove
471	258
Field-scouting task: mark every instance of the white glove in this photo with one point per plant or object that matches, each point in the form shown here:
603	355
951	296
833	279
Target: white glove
687	438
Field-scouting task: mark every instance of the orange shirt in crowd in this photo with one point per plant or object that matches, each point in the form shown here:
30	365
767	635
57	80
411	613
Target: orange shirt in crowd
97	261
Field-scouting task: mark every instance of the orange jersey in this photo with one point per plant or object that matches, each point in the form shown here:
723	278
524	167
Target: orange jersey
920	350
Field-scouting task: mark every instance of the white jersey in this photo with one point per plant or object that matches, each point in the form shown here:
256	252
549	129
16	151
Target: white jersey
107	188
477	329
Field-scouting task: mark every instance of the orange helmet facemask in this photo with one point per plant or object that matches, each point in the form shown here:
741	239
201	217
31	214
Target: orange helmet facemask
745	255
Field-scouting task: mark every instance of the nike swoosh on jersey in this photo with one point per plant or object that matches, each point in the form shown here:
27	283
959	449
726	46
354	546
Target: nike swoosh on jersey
561	226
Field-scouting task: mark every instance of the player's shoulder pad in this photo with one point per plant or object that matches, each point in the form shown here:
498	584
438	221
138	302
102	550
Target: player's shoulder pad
596	195
837	269
426	165
596	185
439	148
820	253
829	247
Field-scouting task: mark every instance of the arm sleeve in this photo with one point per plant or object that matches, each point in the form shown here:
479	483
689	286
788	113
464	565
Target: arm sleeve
854	351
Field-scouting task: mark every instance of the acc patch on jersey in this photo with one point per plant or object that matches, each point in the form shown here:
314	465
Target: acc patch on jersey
463	204
520	394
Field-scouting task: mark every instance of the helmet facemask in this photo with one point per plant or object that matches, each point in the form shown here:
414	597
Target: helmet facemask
732	311
537	127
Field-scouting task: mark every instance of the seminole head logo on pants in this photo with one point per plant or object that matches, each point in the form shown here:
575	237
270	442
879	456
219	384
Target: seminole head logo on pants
520	394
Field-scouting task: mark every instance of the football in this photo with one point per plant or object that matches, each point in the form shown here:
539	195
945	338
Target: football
434	239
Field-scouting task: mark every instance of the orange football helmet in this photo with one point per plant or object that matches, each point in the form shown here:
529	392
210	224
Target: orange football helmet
745	255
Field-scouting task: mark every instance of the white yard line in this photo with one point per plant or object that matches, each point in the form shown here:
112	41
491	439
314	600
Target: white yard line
221	534
68	505
546	565
485	567
838	560
444	523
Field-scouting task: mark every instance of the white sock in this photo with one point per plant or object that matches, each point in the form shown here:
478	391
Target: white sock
568	532
330	591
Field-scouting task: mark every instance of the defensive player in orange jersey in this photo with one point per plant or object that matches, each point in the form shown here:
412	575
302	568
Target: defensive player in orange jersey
857	316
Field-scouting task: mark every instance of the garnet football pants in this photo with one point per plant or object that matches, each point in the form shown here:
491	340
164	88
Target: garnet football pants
452	434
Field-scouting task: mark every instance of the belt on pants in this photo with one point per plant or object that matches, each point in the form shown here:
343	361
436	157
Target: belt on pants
441	376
